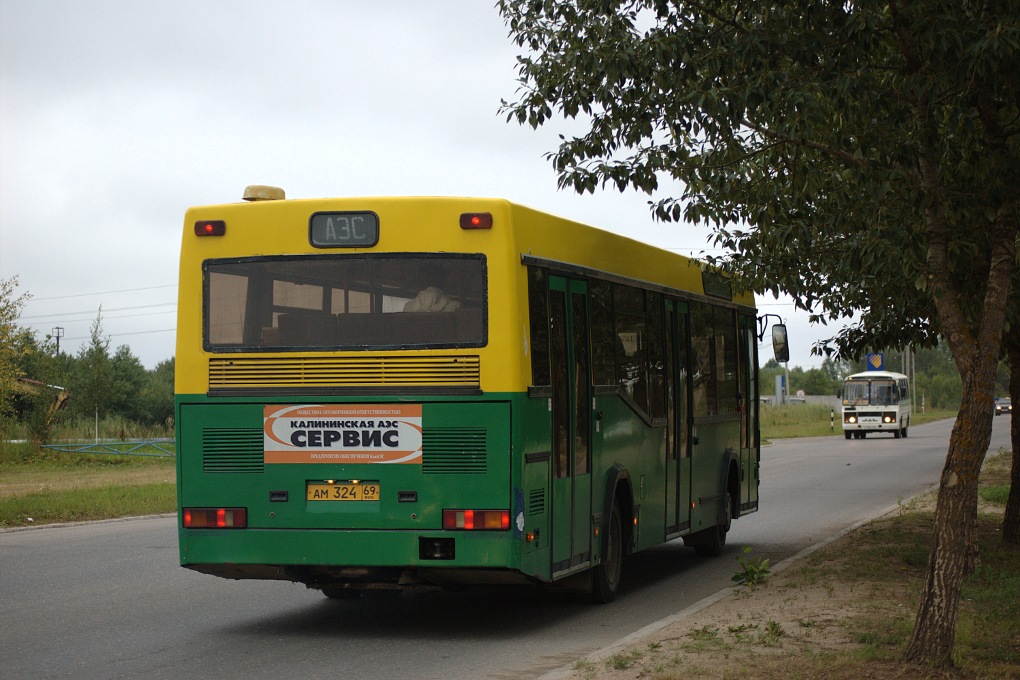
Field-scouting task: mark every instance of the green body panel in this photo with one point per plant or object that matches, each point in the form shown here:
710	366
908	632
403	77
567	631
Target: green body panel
516	475
625	441
718	443
535	443
468	465
749	465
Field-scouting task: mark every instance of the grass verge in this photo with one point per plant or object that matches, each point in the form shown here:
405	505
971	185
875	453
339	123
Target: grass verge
816	420
39	486
75	505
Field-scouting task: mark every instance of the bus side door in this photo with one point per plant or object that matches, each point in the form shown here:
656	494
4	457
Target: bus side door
750	444
572	423
678	450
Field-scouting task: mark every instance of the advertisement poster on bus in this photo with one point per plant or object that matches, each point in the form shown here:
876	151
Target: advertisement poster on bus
342	433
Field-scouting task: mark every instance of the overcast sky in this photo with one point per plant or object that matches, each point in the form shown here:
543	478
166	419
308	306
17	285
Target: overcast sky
119	114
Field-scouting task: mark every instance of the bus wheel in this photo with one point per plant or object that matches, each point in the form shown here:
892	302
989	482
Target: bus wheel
904	431
847	434
710	542
606	576
897	433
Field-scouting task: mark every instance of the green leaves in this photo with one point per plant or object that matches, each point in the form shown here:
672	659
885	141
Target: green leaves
753	572
12	343
819	140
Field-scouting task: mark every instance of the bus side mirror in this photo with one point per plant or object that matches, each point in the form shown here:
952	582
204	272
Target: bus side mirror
779	343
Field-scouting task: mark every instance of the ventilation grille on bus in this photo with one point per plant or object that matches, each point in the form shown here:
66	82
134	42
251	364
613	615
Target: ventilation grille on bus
325	372
232	450
536	502
453	451
445	450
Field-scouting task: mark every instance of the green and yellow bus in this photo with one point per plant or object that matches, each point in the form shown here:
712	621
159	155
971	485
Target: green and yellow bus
433	392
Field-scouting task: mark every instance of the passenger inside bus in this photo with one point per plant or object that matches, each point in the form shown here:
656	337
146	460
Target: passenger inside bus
431	299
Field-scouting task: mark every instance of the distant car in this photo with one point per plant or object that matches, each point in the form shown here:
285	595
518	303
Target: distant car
1003	405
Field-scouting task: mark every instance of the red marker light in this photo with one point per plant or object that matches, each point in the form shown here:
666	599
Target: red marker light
210	228
476	221
477	520
215	518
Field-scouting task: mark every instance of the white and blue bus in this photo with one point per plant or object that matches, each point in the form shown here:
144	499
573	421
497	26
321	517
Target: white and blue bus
876	401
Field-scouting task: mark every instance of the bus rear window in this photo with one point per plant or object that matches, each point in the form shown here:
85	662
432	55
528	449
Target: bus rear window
344	302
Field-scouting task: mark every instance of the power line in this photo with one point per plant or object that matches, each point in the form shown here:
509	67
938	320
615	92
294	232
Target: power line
61	315
108	292
117	335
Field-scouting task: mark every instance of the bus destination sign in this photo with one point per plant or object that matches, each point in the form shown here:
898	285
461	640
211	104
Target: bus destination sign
344	229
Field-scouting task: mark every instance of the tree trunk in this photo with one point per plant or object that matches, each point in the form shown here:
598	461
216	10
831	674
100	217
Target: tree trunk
953	548
976	342
1011	520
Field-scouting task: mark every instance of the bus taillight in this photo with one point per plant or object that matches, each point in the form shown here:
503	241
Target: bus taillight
476	221
215	518
474	520
210	228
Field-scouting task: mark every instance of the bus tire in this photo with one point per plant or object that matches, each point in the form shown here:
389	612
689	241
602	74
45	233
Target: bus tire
606	576
904	431
897	434
847	434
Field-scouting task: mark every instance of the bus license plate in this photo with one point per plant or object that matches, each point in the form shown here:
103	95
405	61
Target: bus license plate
343	491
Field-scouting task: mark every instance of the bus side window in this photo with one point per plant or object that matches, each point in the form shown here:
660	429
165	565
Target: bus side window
702	361
725	362
632	343
538	316
656	377
603	337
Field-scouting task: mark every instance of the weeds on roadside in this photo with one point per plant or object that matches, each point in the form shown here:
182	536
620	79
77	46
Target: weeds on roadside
585	669
769	636
772	634
704	639
623	661
753	572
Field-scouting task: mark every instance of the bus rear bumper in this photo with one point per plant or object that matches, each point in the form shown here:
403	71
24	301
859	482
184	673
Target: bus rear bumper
363	559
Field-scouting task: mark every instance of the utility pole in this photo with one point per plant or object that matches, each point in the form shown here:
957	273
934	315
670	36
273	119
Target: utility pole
908	370
58	333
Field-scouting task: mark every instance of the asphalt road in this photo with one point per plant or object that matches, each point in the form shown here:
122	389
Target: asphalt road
107	600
